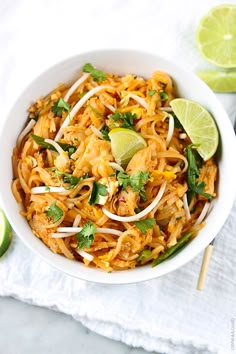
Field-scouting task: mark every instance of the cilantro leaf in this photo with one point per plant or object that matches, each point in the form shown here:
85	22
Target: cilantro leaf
144	225
123	179
105	131
68	178
151	93
98	189
142	194
180	243
86	236
60	106
144	254
193	173
163	95
136	181
41	141
126	118
96	74
54	212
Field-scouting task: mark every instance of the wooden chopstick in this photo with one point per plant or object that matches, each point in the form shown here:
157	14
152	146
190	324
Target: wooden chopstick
204	266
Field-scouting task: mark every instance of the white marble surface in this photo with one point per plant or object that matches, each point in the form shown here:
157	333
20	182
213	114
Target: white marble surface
26	329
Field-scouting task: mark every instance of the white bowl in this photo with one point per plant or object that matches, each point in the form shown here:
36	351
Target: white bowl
120	62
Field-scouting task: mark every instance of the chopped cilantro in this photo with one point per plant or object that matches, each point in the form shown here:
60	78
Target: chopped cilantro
151	93
144	225
136	181
47	188
126	118
54	212
98	190
86	236
60	106
193	173
68	178
96	74
144	254
105	132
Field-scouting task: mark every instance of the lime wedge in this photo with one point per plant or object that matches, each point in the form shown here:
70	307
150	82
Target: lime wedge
216	36
5	233
219	81
124	144
198	124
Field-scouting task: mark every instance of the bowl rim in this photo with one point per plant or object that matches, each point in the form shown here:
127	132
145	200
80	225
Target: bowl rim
169	265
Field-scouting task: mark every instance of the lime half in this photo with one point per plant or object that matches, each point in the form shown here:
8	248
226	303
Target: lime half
5	233
219	81
216	36
198	124
124	144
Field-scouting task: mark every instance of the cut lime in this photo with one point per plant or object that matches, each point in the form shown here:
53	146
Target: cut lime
216	36
198	124
124	144
219	81
5	233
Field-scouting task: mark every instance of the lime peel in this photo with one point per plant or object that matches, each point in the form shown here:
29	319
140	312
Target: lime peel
124	144
5	233
216	36
198	124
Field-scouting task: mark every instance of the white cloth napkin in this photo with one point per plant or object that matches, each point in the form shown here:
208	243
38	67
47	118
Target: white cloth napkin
167	314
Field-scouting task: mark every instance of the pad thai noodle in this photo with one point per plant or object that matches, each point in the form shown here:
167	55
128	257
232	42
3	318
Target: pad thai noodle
106	174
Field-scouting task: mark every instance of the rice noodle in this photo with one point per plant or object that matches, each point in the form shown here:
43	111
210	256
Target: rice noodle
61	234
203	214
142	213
116	166
75	86
186	207
96	131
25	131
77	107
55	145
46	189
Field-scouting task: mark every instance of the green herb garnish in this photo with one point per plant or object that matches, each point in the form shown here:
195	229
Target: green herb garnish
86	236
151	93
144	225
136	181
144	254
60	106
96	74
176	121
105	132
170	251
47	188
193	173
97	191
127	119
41	141
68	178
54	212
163	95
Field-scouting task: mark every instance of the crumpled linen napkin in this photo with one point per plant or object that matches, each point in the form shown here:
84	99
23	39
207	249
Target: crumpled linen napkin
166	314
